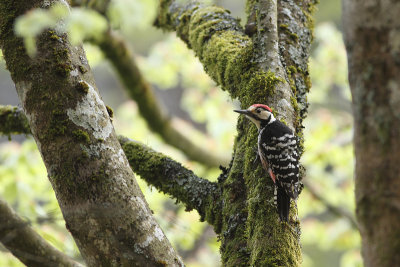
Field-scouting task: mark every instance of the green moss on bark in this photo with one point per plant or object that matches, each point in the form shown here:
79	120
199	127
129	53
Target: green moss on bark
251	233
13	121
170	177
110	111
81	136
226	52
285	28
234	250
82	87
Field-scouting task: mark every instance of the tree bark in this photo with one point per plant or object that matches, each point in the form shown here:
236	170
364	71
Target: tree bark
101	202
269	65
372	37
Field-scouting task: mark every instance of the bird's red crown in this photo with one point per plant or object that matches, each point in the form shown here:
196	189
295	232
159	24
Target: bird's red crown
262	106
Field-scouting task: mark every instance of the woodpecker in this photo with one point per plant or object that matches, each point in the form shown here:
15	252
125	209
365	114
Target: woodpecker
277	150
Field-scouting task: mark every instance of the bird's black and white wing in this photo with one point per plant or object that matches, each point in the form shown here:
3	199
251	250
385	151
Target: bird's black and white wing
280	150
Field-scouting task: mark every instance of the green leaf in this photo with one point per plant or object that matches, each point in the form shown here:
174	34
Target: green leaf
84	24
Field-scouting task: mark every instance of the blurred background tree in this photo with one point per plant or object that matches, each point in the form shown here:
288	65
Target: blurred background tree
326	206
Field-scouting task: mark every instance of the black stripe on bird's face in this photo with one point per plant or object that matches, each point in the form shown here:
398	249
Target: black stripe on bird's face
246	112
257	115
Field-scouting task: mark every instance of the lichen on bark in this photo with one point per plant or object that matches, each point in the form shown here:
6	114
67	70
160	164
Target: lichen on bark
170	177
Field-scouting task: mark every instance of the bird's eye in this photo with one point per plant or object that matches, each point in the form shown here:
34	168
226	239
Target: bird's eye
258	110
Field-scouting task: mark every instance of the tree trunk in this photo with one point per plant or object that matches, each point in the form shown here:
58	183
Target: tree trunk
268	65
372	36
101	202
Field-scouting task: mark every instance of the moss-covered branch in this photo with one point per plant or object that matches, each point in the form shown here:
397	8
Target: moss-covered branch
116	50
250	69
221	45
171	177
13	121
27	245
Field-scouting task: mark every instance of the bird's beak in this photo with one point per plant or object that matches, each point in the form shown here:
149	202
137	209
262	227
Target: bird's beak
242	111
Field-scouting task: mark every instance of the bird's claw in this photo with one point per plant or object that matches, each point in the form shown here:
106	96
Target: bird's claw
256	159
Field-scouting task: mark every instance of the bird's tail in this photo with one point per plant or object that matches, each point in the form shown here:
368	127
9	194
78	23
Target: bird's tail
282	203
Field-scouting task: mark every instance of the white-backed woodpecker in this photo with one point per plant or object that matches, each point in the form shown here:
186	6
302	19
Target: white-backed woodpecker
277	149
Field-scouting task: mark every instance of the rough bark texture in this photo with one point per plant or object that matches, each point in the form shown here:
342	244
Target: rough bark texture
269	65
372	36
102	204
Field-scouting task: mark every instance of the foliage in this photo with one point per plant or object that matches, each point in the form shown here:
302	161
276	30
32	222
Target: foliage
79	23
24	184
127	15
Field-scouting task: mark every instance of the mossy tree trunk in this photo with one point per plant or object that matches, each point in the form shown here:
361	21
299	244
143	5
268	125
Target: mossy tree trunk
264	63
101	202
372	36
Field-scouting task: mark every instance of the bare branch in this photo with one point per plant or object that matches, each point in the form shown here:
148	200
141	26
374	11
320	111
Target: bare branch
25	244
117	51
